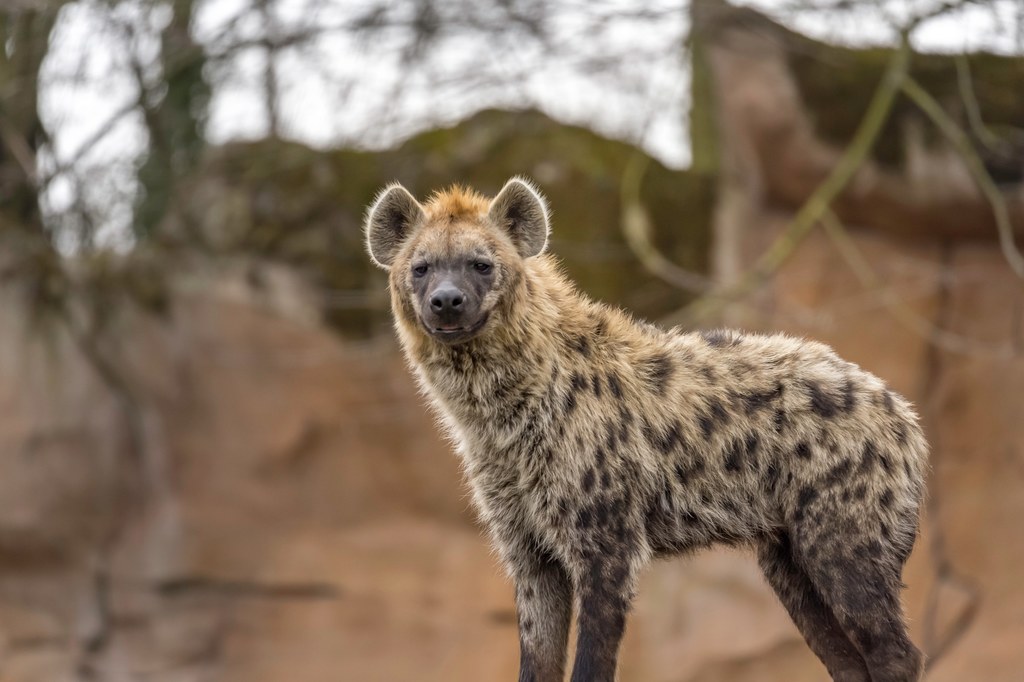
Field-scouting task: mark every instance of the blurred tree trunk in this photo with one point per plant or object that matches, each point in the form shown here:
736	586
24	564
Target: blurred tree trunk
175	122
24	34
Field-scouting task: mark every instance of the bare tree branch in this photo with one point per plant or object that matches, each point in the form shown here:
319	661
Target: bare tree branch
988	187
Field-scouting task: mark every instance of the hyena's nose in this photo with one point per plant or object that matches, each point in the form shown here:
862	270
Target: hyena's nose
446	299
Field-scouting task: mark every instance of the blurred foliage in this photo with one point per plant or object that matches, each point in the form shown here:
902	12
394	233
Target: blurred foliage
823	70
175	121
23	37
288	202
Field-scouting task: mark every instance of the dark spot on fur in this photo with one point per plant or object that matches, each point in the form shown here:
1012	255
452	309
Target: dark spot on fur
615	385
805	497
803	450
715	416
624	432
771	476
887	498
584	518
606	480
753	444
720	338
757	400
656	372
780	419
682	473
868	457
587	482
734	457
900	431
838	473
580	344
822	403
688	471
886	462
595	383
860	492
849	396
690	518
707	373
611	437
664	440
577	383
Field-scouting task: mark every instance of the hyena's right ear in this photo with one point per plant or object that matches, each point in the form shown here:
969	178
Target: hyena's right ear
389	222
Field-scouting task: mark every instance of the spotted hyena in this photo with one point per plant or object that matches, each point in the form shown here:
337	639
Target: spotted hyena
594	443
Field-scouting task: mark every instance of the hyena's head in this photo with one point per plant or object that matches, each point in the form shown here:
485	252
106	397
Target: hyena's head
455	259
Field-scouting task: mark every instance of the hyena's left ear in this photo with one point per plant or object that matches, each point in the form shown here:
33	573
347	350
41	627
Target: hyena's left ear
389	222
522	213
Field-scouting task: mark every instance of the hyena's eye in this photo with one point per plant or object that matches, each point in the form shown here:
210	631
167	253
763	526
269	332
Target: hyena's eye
419	270
482	267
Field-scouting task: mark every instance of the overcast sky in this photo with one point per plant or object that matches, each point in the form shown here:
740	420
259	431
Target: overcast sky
339	91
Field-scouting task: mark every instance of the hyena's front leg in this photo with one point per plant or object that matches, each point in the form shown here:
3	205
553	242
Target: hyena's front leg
544	607
605	589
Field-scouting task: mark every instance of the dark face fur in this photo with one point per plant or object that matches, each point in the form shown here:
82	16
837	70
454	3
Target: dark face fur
449	294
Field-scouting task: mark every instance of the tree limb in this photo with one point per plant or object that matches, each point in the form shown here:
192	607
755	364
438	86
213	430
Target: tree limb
975	166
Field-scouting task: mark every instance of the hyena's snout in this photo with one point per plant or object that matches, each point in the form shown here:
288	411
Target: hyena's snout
451	305
447	303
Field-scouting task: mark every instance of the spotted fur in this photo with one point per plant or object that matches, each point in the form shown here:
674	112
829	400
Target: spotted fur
594	443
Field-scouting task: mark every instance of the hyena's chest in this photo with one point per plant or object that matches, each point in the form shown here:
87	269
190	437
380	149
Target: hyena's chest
553	479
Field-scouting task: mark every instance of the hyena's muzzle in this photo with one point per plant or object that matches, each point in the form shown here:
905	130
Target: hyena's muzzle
450	297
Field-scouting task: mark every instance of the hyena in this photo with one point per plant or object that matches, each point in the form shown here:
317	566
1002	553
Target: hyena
594	443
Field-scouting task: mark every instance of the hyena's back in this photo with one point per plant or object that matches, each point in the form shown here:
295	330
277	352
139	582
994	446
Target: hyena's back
743	435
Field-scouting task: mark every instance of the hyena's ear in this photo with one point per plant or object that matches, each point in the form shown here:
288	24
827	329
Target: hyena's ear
389	222
522	212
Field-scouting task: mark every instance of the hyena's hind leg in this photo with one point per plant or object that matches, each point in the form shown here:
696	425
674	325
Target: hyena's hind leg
855	565
812	616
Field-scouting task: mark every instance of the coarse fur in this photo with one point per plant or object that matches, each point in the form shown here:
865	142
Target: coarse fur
594	443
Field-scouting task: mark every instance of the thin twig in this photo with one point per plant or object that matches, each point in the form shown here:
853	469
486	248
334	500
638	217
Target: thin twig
975	166
970	100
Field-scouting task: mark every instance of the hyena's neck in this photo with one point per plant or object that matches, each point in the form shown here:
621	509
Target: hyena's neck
517	362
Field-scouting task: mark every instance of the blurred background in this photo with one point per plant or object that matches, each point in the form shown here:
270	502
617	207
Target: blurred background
213	462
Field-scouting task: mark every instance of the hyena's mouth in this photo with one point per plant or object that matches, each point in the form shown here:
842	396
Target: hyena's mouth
452	335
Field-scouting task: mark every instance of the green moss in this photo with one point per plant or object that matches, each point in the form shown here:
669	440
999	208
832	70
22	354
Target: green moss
305	207
836	85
